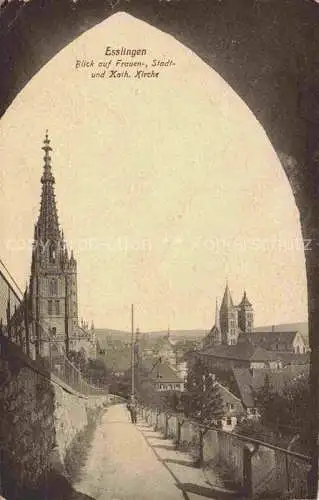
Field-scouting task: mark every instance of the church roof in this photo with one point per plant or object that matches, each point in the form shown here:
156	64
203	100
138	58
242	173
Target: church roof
301	327
227	301
274	340
244	301
214	331
244	351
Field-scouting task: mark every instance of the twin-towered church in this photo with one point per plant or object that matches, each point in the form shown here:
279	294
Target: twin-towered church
230	321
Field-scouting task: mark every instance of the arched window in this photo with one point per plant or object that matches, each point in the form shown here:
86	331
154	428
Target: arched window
52	253
53	287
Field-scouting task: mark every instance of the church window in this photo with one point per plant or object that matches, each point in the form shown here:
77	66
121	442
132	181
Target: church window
50	307
57	307
52	253
53	287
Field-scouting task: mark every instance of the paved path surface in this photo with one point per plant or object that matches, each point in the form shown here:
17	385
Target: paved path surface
128	461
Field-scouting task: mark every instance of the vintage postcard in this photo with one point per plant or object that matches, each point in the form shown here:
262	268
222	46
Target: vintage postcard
159	262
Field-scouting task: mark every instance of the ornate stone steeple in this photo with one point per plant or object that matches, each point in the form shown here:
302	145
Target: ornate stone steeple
53	282
47	228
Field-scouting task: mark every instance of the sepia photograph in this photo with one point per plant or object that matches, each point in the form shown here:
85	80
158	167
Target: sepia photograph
159	251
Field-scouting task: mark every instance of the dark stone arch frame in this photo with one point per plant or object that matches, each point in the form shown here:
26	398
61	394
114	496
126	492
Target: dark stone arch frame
267	50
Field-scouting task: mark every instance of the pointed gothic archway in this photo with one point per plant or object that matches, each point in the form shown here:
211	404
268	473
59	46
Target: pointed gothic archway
281	87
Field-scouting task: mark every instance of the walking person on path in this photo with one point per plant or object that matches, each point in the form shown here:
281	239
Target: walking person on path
132	408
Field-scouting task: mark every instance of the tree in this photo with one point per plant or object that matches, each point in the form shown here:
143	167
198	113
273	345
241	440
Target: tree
96	372
203	401
226	377
78	358
283	414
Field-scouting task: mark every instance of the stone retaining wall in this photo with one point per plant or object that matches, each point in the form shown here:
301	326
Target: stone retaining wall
39	420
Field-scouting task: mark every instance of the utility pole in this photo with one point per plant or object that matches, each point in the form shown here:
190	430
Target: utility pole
132	353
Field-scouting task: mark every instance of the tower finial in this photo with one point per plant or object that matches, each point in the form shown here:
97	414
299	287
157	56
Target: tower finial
47	174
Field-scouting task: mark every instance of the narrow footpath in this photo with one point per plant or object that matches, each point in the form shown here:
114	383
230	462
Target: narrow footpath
133	462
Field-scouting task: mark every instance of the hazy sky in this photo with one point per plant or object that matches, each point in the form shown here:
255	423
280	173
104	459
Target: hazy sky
165	187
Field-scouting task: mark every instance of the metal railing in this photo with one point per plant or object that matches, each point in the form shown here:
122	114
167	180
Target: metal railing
19	326
272	470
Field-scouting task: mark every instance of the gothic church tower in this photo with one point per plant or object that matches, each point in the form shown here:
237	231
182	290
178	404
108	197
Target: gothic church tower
53	282
245	315
228	319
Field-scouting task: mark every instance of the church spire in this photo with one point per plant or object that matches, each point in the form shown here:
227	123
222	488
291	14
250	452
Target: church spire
217	322
48	225
244	301
227	302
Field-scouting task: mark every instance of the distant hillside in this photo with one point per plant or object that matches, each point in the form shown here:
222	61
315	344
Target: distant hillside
103	333
180	334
